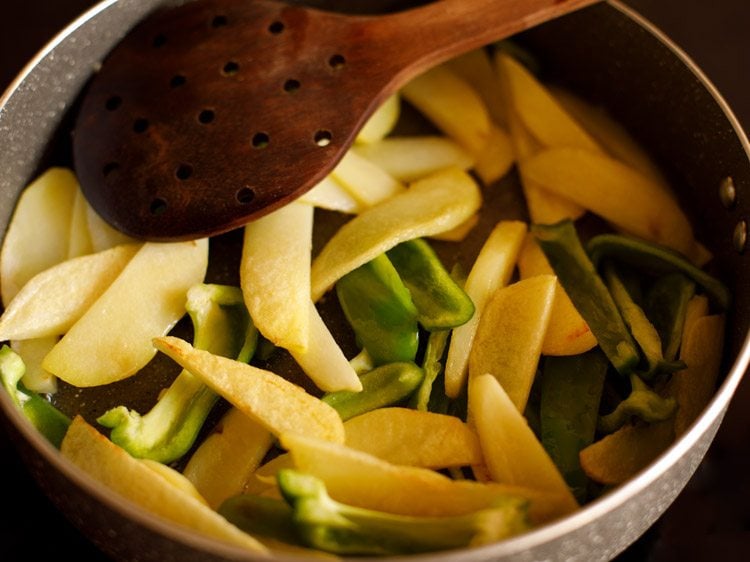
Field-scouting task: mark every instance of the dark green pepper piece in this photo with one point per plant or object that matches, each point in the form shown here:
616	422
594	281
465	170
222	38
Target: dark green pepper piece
259	515
441	303
383	386
642	402
589	294
666	306
432	366
380	310
656	259
571	393
47	419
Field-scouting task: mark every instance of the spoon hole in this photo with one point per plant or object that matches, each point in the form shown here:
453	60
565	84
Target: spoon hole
113	103
219	21
276	27
231	68
140	125
323	137
177	81
159	40
184	171
292	85
261	140
158	206
245	195
206	116
337	61
109	168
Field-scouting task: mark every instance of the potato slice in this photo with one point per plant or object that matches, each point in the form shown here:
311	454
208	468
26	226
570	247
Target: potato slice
367	183
103	236
39	230
381	122
567	332
53	300
272	401
330	194
431	205
363	480
411	158
414	438
512	452
694	387
32	353
477	68
538	110
227	457
492	269
275	274
135	480
459	232
509	336
79	243
621	455
112	340
497	158
614	191
452	105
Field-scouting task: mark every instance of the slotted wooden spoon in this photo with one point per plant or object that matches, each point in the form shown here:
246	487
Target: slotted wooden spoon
213	113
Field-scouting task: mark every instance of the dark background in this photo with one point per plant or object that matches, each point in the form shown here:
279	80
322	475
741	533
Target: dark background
709	520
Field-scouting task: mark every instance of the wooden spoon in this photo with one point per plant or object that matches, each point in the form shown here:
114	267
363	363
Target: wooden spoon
211	114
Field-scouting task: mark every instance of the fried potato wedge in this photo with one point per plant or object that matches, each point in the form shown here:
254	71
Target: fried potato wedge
414	438
365	181
272	401
381	122
79	242
330	194
497	158
140	483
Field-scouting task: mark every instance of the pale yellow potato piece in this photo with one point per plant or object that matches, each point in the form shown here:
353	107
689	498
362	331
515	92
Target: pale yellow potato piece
175	479
381	122
53	300
138	482
539	111
458	233
431	205
477	68
79	243
366	182
512	453
275	274
414	438
452	105
112	340
38	233
263	480
567	332
697	308
694	387
621	455
330	194
103	236
410	158
497	158
33	352
272	401
493	268
360	479
324	361
509	337
227	457
614	191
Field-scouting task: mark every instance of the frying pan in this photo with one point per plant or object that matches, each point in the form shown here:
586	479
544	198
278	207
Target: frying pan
607	54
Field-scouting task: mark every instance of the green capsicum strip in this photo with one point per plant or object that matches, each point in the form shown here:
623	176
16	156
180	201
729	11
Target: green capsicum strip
571	389
334	527
441	303
656	259
383	386
666	306
261	516
643	331
432	366
589	294
380	310
642	402
222	326
48	420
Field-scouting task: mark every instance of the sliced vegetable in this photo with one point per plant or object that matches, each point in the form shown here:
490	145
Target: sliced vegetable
330	194
380	310
666	305
440	302
434	204
571	390
384	386
654	258
271	400
588	292
368	183
381	122
497	158
166	433
642	402
426	397
50	421
79	242
261	516
33	352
